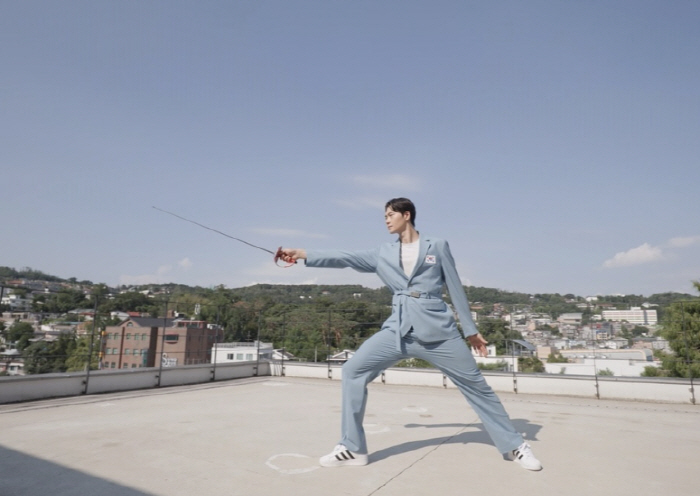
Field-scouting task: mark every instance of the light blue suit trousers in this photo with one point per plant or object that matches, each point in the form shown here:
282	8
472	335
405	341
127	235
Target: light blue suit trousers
421	325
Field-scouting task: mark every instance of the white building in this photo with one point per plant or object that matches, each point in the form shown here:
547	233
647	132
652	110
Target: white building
588	366
16	302
247	352
240	352
341	357
570	318
637	354
635	315
626	362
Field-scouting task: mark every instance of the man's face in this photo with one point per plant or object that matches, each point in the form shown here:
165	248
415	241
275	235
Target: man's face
396	222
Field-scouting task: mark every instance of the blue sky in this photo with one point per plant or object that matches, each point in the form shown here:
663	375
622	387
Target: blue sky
554	144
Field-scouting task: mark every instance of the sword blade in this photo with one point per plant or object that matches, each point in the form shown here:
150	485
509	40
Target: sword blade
215	230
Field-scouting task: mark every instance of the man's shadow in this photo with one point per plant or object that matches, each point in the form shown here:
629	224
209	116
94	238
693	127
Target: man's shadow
478	435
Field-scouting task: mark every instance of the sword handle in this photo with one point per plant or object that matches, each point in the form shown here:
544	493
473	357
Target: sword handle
278	257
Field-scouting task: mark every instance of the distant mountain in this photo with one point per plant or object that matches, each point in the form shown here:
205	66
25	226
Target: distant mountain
342	292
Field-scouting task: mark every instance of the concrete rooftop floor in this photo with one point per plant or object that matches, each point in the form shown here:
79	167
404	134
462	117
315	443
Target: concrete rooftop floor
263	436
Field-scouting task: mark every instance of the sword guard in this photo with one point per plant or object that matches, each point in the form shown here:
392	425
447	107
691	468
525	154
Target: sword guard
278	257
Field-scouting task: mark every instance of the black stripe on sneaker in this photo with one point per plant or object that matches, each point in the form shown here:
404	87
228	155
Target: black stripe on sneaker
344	456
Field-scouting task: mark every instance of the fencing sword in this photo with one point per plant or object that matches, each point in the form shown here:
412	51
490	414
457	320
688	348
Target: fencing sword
276	254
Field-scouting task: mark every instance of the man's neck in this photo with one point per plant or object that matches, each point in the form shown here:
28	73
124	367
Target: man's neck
409	235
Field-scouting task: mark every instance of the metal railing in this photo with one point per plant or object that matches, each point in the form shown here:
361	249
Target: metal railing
307	335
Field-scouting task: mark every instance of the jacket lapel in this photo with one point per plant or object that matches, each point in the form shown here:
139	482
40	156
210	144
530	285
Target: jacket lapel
396	258
424	244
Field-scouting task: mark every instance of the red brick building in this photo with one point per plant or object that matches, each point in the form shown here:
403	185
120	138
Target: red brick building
146	341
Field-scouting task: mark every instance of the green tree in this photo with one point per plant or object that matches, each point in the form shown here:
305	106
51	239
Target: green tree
500	365
558	358
639	330
130	302
62	302
20	333
682	329
44	357
78	358
530	364
498	333
651	371
414	363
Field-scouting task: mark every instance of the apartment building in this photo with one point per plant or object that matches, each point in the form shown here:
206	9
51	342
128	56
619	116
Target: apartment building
635	315
146	342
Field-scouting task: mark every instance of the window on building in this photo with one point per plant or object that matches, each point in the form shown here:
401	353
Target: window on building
172	338
249	356
144	337
229	356
127	351
137	336
128	335
239	356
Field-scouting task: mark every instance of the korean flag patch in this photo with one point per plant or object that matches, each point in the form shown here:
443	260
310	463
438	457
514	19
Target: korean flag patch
430	259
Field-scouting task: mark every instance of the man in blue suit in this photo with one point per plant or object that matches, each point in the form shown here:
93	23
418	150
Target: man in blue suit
421	325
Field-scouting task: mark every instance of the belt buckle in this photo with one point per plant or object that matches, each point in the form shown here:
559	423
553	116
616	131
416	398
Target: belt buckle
415	294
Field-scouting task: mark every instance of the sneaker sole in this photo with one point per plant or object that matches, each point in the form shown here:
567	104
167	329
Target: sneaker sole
355	462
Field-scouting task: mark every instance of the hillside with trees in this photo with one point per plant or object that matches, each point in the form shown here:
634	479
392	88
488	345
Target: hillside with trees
307	320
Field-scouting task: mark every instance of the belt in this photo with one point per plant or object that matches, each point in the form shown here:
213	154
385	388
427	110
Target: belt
417	294
400	297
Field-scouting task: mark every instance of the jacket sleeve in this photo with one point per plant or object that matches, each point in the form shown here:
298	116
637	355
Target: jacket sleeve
457	294
361	261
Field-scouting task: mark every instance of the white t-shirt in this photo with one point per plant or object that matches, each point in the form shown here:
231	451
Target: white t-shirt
409	256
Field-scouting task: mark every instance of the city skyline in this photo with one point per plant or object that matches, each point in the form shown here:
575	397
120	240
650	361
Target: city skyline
553	144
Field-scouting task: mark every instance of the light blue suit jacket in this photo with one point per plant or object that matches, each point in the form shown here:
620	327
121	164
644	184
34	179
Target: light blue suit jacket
417	303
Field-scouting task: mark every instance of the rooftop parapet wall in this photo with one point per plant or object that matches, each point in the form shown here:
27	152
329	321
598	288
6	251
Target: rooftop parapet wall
45	386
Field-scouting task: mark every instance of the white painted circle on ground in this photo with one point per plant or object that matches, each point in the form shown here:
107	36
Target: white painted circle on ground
291	463
376	428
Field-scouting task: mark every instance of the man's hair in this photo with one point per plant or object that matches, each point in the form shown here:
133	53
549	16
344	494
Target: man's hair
402	205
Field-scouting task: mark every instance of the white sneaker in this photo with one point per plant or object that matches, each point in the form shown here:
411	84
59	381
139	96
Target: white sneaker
341	456
523	455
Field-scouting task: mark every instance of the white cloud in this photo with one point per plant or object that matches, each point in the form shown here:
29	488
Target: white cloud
646	253
185	263
684	242
636	256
